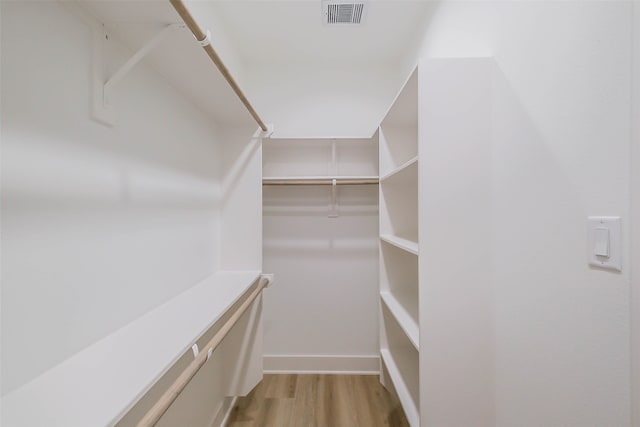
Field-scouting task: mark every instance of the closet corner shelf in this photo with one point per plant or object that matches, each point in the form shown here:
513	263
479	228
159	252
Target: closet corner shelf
400	169
319	180
399	242
407	322
98	385
402	390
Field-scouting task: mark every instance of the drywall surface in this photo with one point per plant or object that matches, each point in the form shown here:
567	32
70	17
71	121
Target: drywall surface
635	225
560	153
457	333
99	224
241	201
322	312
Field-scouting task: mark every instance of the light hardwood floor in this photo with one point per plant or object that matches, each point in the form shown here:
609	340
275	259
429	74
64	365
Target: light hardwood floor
318	401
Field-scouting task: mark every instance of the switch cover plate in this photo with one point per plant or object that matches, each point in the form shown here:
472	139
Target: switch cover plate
604	247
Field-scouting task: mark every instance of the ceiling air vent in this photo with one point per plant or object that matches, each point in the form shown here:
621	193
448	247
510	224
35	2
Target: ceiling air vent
343	11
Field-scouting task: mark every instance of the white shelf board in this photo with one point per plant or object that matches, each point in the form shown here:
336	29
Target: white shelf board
399	242
96	386
404	394
397	303
403	168
313	178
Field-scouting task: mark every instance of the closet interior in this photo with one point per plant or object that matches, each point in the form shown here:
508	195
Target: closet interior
164	245
320	227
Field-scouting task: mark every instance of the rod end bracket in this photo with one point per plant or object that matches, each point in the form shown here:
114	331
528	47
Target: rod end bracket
267	133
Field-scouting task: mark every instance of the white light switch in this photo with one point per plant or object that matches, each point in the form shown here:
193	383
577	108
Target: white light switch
604	248
601	242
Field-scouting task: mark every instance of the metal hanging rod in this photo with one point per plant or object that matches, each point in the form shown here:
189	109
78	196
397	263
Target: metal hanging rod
171	394
320	181
203	38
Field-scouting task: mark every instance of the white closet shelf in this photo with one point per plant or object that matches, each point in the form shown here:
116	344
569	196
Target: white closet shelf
397	304
96	386
409	167
402	243
392	362
319	180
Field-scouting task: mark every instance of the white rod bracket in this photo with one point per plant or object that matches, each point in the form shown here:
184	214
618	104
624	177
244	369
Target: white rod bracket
269	277
195	350
266	133
333	210
333	170
206	41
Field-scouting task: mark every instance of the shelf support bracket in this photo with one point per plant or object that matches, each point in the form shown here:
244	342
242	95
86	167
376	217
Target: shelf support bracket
103	90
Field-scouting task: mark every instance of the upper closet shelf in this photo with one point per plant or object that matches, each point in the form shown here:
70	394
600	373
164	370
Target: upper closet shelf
187	64
96	386
320	180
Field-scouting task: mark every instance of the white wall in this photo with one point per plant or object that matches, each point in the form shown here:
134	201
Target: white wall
99	224
560	153
457	224
323	307
635	212
241	199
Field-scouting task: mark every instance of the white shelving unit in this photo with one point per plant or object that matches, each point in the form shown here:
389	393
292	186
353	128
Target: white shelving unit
432	139
400	249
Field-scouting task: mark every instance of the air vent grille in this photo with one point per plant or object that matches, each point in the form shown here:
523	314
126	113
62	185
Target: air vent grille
343	13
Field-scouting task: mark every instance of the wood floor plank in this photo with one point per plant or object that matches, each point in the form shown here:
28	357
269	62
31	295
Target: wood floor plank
307	392
281	386
318	401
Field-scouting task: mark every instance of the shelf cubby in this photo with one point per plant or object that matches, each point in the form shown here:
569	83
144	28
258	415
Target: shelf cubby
399	129
399	203
400	362
399	288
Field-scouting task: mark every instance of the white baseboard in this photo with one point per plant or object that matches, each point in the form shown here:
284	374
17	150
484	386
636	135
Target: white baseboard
289	364
222	417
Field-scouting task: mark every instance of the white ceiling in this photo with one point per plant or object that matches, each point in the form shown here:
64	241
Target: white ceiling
288	31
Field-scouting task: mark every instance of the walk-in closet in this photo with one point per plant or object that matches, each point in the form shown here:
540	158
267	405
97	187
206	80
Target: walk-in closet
319	213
